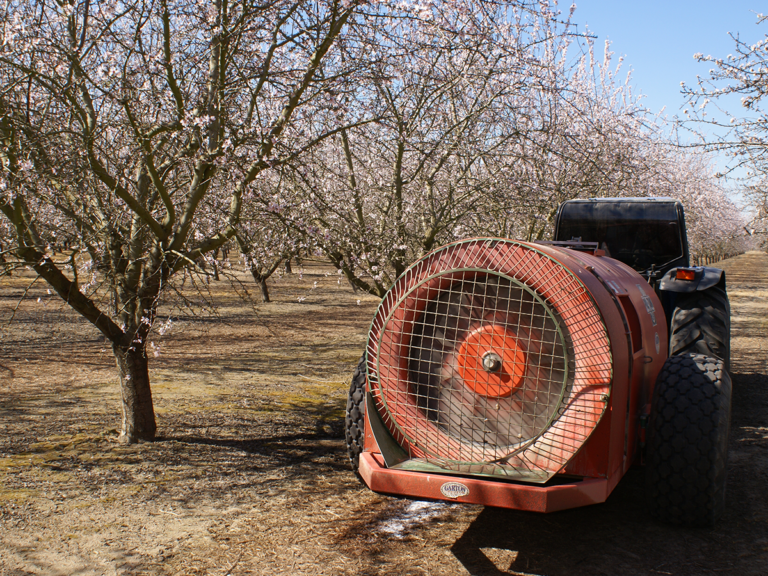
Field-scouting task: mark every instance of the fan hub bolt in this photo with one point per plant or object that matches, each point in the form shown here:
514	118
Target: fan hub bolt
491	362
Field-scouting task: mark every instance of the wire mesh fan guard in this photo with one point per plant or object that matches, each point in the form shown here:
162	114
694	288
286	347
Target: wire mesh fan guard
489	357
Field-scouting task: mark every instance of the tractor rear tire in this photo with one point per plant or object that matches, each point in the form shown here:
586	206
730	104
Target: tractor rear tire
701	324
354	421
687	449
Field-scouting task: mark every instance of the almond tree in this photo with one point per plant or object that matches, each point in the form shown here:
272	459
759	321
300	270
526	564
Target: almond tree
121	123
265	238
580	136
741	135
487	135
484	126
593	138
389	191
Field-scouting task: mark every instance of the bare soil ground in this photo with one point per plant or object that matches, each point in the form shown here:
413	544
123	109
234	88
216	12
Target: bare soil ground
250	476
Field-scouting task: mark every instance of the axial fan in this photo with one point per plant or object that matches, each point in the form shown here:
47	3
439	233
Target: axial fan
489	357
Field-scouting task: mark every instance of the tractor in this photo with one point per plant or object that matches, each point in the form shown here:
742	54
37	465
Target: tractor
533	375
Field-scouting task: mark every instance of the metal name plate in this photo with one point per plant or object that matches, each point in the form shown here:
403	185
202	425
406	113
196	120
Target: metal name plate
454	490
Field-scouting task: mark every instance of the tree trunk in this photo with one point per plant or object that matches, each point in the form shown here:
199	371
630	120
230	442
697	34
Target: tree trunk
138	411
261	280
288	269
264	290
215	265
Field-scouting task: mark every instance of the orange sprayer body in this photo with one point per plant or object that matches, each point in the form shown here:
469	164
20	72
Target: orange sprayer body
510	374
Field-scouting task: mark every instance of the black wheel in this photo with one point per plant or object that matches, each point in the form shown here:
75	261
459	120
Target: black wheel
687	448
354	421
701	324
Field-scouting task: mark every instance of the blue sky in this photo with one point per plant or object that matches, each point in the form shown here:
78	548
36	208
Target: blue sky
658	40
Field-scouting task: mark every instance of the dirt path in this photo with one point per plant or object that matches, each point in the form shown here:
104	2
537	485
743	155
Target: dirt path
250	474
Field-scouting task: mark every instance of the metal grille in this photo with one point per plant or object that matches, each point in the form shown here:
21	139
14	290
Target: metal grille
489	357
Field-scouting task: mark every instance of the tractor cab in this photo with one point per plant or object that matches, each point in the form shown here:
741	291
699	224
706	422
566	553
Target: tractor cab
647	234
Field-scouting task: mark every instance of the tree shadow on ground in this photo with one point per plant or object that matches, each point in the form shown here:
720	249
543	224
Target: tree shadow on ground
200	454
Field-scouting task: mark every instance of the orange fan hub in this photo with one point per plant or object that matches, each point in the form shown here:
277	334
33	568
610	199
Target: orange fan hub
491	362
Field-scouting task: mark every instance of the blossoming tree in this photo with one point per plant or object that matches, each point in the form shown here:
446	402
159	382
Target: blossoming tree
119	122
739	79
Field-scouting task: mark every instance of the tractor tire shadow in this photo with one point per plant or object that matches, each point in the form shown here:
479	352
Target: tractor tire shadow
570	542
619	537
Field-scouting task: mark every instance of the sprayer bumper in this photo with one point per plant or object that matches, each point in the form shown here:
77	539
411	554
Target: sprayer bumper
500	494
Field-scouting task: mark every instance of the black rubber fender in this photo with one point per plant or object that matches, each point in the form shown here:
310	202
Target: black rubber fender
704	278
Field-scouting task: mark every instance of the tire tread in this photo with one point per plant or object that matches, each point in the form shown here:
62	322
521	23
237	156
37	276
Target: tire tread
701	324
687	446
354	420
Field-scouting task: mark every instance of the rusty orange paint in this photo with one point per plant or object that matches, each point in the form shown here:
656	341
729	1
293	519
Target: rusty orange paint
478	491
542	271
636	345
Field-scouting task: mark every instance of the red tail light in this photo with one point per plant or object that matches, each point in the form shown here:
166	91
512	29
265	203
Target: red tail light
685	274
